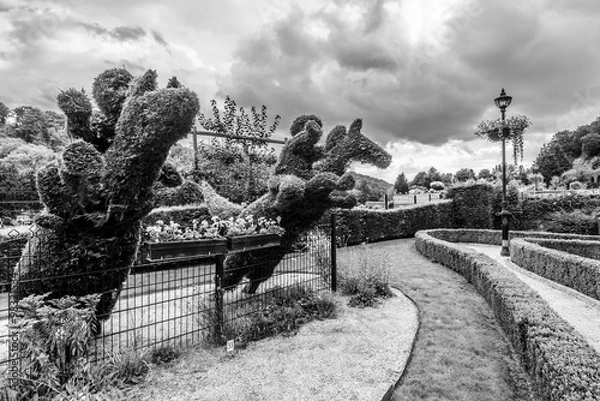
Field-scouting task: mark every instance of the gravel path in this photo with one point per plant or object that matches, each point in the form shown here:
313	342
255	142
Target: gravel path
579	310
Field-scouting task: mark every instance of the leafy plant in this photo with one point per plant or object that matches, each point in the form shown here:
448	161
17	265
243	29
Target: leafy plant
128	366
365	276
53	336
282	312
512	130
165	355
575	222
239	123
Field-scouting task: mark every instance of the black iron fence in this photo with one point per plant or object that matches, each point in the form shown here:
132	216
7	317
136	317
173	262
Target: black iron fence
176	302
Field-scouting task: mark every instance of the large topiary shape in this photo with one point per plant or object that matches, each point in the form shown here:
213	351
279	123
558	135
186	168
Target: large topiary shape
97	194
308	180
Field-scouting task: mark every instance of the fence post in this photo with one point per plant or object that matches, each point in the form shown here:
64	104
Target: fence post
385	202
415	199
219	272
429	197
333	246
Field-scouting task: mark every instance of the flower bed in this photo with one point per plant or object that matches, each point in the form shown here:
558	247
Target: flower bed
561	363
172	241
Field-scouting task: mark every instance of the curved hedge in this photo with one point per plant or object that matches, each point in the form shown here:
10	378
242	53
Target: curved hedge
558	261
561	363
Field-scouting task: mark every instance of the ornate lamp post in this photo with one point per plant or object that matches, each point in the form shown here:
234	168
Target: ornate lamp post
502	102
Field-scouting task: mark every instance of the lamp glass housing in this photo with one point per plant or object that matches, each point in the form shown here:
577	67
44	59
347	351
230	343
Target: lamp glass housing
503	101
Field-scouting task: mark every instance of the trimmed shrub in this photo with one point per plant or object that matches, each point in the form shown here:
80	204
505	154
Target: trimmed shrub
96	195
355	226
187	193
561	363
535	210
472	205
561	261
575	222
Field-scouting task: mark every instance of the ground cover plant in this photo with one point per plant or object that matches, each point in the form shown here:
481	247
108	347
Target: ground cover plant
280	311
54	339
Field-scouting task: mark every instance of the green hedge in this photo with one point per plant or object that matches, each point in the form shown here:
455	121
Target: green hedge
366	225
494	237
534	211
555	260
472	205
561	363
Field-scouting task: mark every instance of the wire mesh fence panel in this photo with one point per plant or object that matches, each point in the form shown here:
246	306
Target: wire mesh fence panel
175	303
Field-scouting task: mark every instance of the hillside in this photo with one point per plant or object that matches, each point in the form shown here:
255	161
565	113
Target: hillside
372	188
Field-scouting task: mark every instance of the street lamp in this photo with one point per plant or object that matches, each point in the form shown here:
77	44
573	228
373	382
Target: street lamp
502	102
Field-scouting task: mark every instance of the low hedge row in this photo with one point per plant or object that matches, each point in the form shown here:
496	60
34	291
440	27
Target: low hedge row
366	225
557	260
561	363
494	237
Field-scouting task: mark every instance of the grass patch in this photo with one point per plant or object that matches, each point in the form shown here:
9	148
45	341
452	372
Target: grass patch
461	352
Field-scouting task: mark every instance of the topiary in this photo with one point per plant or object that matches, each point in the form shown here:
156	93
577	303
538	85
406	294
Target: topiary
97	194
308	180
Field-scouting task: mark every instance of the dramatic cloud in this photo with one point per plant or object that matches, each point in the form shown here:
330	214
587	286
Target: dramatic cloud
422	74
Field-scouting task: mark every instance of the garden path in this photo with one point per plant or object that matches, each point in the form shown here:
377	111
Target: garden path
579	310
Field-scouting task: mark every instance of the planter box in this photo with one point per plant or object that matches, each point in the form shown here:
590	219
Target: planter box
253	241
185	249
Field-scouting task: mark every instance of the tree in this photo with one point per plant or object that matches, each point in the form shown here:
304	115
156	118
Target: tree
30	125
553	160
421	180
238	123
590	145
464	174
237	169
401	184
434	175
485	174
4	112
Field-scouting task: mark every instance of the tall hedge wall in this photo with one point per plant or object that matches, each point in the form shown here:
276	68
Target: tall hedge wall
365	225
561	363
472	205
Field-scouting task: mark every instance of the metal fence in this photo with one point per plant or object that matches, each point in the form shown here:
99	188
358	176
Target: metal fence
171	302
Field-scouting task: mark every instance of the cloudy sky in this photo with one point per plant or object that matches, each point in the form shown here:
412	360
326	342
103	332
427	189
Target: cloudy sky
420	73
